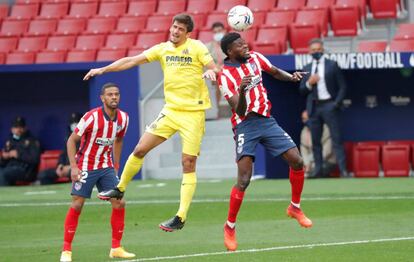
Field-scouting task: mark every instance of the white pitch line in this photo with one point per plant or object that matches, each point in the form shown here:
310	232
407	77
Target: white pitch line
30	193
255	250
144	202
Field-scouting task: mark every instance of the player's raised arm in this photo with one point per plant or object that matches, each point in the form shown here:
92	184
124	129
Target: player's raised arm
285	76
119	65
211	71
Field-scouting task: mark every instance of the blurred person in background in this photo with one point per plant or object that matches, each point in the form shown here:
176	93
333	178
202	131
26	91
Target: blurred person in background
49	176
20	155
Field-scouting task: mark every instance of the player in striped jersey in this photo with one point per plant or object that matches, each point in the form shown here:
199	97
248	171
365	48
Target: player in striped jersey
241	83
101	133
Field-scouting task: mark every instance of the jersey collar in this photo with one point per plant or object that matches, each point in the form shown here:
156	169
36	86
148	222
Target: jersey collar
107	117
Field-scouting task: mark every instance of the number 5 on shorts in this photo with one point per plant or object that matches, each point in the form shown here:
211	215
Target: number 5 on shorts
240	142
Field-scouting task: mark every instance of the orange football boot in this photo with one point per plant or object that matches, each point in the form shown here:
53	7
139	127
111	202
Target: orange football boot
230	238
297	214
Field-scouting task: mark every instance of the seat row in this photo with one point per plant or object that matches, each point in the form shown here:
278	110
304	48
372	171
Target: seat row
365	159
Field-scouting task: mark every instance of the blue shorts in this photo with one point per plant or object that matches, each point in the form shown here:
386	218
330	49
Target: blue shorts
256	129
104	179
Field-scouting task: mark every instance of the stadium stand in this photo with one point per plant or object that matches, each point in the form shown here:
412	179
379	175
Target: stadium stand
120	41
42	27
53	10
158	23
100	25
272	36
76	56
201	6
405	31
61	43
372	46
27	11
90	42
344	20
8	44
402	45
290	5
4	11
50	57
396	160
301	34
170	7
280	18
146	40
14	27
141	8
83	10
20	58
261	5
131	24
112	9
70	26
32	44
384	8
366	159
223	6
110	54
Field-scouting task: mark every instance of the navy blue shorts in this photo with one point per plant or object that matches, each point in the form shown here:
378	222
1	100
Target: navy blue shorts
104	179
263	130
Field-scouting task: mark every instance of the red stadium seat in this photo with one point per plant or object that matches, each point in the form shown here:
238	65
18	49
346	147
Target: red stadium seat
267	48
349	152
70	26
371	143
261	5
396	160
224	6
205	36
142	8
362	5
90	42
366	159
201	6
2	61
314	16
110	54
4	11
275	35
120	41
131	24
372	46
24	11
290	5
384	8
8	44
24	2
100	25
158	23
76	56
83	10
61	43
170	7
42	27
107	9
405	31
14	27
49	159
400	45
133	51
54	10
32	44
300	35
280	17
249	35
199	21
400	142
259	18
147	40
344	20
20	58
317	4
212	18
49	57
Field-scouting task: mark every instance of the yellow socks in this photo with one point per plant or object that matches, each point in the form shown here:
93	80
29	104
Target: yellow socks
131	168
188	187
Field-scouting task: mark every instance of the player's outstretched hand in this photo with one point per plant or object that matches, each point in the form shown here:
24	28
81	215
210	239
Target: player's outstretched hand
210	74
92	73
246	81
297	76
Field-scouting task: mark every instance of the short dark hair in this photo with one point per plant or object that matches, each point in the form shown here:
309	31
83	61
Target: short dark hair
108	85
315	41
227	40
217	24
185	19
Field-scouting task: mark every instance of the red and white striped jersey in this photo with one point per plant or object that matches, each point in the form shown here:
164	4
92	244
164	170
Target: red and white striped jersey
230	79
98	134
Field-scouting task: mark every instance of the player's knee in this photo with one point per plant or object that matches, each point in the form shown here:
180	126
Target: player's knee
188	163
297	163
118	204
244	180
77	205
139	152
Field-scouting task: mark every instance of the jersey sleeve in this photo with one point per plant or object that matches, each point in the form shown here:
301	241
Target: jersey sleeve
124	125
226	86
85	124
153	53
264	62
203	54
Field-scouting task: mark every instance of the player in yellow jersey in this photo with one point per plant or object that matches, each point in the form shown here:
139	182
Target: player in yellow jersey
186	99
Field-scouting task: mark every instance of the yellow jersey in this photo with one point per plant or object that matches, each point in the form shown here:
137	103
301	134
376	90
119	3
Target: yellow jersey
184	88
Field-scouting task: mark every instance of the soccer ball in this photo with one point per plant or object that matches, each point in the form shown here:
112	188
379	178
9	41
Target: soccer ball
240	18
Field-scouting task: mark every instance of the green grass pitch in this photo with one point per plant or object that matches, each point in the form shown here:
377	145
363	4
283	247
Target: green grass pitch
354	220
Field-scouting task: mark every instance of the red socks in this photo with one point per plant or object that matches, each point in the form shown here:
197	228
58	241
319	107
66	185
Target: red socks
236	199
117	222
296	178
71	223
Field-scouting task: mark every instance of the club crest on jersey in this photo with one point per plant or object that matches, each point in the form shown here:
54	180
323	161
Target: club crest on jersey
118	128
103	141
253	65
78	186
185	52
